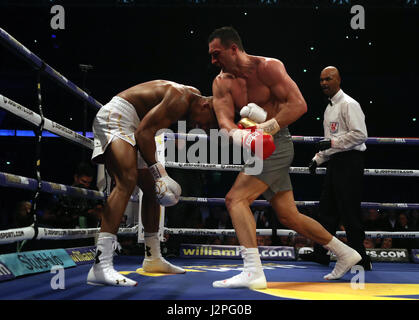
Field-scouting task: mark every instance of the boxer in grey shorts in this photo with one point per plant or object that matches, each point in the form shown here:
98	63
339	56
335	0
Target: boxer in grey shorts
275	172
260	89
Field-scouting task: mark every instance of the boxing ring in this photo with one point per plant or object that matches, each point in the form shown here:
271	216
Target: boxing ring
287	278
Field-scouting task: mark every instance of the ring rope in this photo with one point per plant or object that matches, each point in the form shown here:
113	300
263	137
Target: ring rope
21	51
297	170
51	126
46	233
20	182
34	118
265	203
299	139
28	233
283	232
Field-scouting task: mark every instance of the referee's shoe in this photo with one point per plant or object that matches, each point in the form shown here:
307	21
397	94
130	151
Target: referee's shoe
365	263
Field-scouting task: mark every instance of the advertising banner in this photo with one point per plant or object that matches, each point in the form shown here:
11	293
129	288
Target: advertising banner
82	255
233	252
5	273
415	255
23	263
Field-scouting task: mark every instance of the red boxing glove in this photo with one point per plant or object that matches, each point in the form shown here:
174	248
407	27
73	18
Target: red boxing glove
250	136
265	143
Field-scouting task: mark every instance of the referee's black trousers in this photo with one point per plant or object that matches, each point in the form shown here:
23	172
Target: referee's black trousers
340	201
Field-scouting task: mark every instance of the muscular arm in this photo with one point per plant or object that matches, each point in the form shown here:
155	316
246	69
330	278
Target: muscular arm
285	90
223	103
173	106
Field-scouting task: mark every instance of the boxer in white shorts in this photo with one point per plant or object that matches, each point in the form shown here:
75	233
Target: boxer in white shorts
118	119
124	131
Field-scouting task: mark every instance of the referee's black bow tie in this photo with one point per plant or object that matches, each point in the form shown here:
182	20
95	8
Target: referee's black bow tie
330	101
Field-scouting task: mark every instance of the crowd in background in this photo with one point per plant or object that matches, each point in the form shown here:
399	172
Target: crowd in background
59	211
198	216
388	220
62	211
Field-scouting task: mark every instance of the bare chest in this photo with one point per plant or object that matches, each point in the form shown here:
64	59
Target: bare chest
245	91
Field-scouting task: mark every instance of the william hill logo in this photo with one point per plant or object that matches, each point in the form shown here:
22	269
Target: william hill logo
78	256
233	252
82	255
193	251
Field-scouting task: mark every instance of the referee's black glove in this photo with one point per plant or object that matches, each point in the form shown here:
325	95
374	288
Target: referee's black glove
324	144
312	166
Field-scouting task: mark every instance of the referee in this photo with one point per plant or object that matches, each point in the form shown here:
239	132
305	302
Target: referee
343	149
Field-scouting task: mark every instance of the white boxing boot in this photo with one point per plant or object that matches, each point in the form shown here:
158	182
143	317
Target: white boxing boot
102	272
251	277
346	258
153	260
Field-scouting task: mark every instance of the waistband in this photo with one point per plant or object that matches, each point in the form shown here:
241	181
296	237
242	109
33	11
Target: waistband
283	132
122	102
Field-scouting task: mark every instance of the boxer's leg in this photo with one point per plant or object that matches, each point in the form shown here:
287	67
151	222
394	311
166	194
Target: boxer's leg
288	215
245	190
150	217
121	164
284	205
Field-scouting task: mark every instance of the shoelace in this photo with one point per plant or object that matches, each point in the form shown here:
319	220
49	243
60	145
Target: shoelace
116	247
108	262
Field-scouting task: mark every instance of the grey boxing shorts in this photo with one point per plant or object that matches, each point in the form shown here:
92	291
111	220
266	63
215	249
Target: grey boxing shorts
275	172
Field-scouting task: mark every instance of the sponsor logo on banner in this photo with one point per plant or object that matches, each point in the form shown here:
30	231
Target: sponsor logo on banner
415	255
385	255
36	261
209	251
399	255
5	274
233	252
82	255
276	253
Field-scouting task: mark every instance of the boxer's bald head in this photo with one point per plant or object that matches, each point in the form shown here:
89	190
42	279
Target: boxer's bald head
330	81
201	113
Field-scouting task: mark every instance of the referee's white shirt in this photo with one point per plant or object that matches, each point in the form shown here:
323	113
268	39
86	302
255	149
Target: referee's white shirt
344	124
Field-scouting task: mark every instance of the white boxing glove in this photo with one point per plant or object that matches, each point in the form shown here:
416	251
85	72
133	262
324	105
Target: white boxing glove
167	190
253	112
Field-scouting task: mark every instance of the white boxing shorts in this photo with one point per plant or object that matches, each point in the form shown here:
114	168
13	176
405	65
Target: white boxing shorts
117	119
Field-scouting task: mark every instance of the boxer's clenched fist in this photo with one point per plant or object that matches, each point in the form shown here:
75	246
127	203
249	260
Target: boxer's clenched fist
258	115
167	190
259	143
253	112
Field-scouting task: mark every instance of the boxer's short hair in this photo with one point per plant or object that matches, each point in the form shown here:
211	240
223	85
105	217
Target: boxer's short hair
227	36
